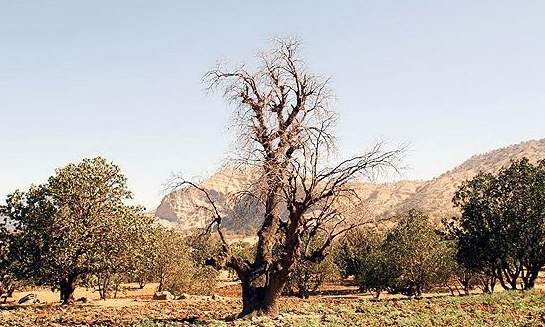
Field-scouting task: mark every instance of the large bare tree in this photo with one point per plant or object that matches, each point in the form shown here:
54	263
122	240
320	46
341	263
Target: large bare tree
284	123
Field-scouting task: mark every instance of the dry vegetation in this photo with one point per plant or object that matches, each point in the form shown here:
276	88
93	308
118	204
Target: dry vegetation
135	308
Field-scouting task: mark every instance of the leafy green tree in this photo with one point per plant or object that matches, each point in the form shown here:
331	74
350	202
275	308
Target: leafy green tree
308	276
347	251
141	265
126	256
501	230
416	253
179	262
7	260
68	227
374	271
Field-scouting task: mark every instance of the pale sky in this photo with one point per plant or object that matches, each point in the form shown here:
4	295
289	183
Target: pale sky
121	79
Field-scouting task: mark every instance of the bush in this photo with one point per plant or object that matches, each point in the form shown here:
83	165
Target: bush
419	257
373	270
307	277
347	251
179	263
411	258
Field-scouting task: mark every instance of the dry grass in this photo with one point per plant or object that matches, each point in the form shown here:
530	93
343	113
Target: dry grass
136	309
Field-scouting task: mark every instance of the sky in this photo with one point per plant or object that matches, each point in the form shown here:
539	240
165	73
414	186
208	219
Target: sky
122	80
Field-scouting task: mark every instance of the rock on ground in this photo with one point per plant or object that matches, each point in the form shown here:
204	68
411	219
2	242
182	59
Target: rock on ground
164	295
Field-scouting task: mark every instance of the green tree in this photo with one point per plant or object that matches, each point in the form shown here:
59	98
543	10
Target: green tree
374	271
141	265
68	227
417	254
308	276
347	251
501	230
127	256
179	262
7	260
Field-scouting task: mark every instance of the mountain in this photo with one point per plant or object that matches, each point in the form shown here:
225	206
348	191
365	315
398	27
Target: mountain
435	196
183	208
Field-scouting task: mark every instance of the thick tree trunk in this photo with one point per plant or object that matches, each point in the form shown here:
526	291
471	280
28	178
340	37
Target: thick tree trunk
67	288
260	296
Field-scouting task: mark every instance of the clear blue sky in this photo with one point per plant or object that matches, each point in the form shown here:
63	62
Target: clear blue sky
121	79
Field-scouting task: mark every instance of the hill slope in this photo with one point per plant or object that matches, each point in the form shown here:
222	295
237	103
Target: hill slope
435	196
181	207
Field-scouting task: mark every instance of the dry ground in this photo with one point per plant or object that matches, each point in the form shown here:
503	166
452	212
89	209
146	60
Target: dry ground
343	308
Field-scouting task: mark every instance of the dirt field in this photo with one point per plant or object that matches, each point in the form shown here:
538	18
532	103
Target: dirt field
135	308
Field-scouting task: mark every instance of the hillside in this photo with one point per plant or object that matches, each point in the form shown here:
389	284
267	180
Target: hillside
435	196
181	207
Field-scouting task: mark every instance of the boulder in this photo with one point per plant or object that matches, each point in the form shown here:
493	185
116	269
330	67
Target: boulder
162	296
84	299
29	299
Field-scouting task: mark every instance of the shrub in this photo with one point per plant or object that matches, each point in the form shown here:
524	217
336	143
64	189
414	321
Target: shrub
347	251
307	277
179	263
374	273
417	254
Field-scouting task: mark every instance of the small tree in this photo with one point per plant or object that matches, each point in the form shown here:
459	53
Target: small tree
7	261
308	276
128	256
179	263
350	247
374	271
416	253
501	231
66	227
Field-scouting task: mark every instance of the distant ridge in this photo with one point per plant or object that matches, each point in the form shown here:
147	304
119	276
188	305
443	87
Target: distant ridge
179	208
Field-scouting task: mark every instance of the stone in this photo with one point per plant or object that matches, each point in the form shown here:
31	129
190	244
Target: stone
163	296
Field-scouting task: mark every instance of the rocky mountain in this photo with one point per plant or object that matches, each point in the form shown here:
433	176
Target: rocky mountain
184	207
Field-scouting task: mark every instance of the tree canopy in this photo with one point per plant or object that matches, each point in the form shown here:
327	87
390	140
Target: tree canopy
501	230
71	226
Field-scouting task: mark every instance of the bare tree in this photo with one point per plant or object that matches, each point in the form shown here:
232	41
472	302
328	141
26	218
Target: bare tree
284	123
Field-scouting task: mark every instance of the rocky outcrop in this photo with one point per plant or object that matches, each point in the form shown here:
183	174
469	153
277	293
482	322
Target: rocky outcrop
163	296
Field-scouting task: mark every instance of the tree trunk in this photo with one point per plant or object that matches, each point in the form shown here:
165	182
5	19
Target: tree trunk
261	300
530	278
161	283
141	283
67	288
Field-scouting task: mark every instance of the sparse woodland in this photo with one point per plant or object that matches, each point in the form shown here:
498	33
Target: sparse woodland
77	230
